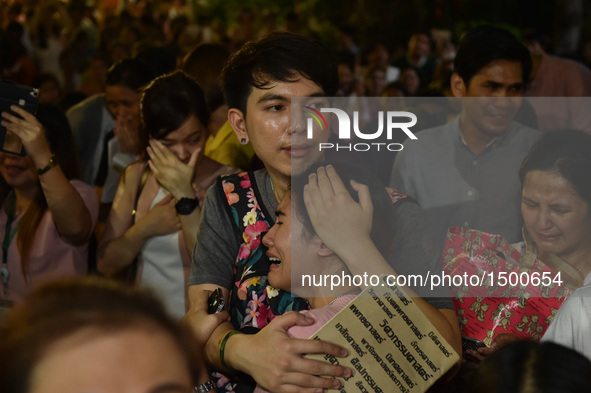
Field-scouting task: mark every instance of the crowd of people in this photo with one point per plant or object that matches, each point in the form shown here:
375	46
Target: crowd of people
174	160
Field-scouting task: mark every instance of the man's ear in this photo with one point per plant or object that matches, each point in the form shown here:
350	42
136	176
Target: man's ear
238	123
458	87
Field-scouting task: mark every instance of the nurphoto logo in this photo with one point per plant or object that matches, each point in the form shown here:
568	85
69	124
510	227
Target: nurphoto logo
394	121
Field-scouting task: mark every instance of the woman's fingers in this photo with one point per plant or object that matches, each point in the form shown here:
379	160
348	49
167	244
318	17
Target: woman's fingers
154	169
194	157
23	113
364	196
26	121
309	202
324	183
314	196
335	180
155	152
27	128
162	155
13	124
158	154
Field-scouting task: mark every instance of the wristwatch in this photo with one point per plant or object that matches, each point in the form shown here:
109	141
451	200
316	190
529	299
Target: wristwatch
52	164
205	387
185	206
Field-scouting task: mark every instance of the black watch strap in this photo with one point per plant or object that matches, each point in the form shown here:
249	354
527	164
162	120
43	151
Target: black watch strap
185	206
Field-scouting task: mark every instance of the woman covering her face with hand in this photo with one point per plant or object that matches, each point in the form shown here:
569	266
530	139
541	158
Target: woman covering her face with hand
163	190
47	217
294	247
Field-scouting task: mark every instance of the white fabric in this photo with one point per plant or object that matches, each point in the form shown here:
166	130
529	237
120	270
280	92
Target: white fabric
163	268
392	74
571	326
107	126
118	161
49	58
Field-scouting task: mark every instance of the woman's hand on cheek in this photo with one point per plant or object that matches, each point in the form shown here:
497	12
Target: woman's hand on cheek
28	129
172	173
337	218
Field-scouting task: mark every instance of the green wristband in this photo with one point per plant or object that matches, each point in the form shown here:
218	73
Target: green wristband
223	348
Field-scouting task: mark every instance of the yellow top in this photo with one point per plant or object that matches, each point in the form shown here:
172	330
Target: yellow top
225	148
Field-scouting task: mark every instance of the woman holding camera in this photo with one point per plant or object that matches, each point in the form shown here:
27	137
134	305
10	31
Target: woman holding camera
46	218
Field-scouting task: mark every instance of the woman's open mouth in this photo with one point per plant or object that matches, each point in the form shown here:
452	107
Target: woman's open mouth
275	262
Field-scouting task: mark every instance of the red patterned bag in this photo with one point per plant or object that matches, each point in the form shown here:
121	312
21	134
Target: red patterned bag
511	292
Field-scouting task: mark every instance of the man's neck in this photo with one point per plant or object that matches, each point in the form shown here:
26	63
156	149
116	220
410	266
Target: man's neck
475	140
279	183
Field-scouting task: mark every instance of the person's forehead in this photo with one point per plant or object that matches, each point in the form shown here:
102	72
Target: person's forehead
120	90
299	86
188	129
419	37
552	186
503	70
547	178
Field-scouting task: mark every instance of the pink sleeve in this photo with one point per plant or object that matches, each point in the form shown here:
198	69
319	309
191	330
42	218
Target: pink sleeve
320	316
90	198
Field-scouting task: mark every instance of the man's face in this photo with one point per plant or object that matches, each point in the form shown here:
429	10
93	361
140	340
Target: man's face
501	82
419	45
122	102
380	56
281	144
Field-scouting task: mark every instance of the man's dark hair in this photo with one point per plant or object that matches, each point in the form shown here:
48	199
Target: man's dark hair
279	56
485	44
523	366
160	60
540	36
132	73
